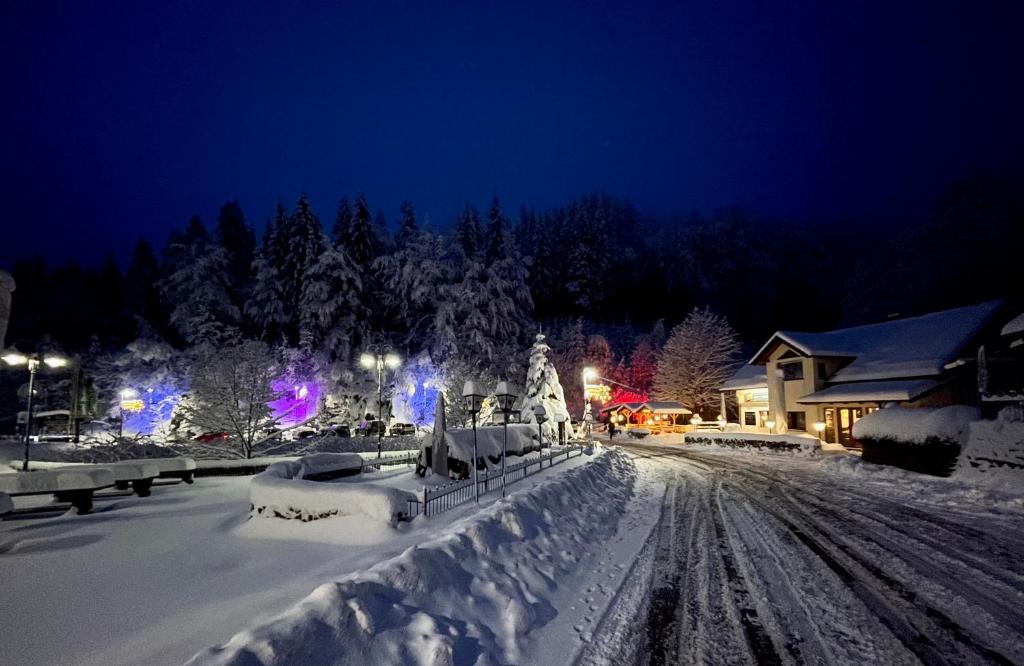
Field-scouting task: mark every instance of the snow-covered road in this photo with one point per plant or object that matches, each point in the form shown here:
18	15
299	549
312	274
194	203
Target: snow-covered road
780	560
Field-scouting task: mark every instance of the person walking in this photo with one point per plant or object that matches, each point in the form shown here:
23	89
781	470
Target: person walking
611	430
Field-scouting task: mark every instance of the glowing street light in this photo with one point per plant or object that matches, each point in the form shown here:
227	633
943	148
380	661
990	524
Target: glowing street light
380	362
506	399
13	357
473	397
819	427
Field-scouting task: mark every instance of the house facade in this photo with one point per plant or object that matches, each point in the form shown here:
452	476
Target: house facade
823	383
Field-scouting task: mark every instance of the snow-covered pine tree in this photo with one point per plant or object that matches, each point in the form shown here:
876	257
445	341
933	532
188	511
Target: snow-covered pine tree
239	242
331	310
467	231
506	299
499	240
342	223
360	241
543	388
265	305
201	307
413	277
698	357
407	227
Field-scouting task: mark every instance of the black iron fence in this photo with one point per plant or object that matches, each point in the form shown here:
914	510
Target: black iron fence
371	465
450	495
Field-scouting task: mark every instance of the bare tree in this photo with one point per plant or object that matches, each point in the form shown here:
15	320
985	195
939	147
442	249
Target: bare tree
230	390
698	357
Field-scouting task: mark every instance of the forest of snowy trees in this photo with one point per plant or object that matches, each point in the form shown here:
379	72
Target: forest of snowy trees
599	279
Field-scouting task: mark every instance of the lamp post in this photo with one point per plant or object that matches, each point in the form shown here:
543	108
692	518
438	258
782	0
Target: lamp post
380	361
541	415
589	375
473	397
13	357
127	395
505	399
819	427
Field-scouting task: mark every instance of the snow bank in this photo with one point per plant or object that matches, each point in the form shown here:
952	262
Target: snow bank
795	444
55	481
280	492
470	596
522	437
320	466
6	505
994	453
917	425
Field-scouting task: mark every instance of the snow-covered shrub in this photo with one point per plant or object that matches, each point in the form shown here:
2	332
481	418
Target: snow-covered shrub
918	439
805	446
994	450
917	425
281	492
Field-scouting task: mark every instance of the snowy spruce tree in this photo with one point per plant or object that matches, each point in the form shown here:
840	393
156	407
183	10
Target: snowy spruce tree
265	305
698	357
237	239
408	229
543	388
342	222
360	239
467	231
331	312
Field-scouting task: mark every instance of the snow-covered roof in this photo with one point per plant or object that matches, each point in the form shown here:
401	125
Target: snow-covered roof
898	390
1015	326
902	348
746	377
665	407
631	406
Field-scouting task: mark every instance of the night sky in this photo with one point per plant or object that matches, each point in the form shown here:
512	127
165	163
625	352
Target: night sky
121	119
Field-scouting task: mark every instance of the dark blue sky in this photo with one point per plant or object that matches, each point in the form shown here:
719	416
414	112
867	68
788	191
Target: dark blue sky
122	118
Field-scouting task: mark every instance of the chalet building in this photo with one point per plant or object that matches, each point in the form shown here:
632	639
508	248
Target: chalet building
822	383
652	413
1001	369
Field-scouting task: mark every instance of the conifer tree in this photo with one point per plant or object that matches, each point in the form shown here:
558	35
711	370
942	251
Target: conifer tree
331	311
407	227
467	231
360	241
543	388
239	242
342	223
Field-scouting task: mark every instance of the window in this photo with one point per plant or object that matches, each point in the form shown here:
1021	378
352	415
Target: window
750	418
821	370
796	420
792	371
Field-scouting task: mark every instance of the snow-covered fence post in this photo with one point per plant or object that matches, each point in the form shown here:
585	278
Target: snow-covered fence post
474	396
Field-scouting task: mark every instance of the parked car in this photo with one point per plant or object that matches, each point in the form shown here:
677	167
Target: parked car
337	430
400	429
212	437
372	428
305	433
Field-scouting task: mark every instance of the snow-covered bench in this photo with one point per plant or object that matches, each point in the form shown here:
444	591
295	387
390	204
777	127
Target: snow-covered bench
136	474
72	484
6	505
174	468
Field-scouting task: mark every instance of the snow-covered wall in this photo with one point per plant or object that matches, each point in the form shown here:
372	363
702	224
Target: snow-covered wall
917	425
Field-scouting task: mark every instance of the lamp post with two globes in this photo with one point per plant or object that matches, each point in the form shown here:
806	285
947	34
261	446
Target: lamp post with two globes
13	357
473	397
503	394
380	361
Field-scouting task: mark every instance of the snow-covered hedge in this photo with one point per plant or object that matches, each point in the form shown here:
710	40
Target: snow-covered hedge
522	437
918	425
794	444
281	492
470	596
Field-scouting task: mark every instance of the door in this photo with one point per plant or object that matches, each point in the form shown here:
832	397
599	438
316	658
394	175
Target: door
847	417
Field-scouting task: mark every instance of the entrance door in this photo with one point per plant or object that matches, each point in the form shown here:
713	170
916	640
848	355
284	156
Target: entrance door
847	417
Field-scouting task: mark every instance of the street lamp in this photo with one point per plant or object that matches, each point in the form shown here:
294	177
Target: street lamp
589	375
541	415
473	398
13	357
380	361
127	395
819	427
506	398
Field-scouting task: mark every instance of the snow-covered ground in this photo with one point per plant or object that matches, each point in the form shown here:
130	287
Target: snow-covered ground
780	559
154	580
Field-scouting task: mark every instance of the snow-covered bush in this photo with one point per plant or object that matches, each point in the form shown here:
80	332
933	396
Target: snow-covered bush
994	449
795	444
281	492
522	438
917	425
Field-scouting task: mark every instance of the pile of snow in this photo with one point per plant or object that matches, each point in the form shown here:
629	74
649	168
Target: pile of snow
281	492
126	470
917	425
994	452
795	444
522	437
57	480
473	596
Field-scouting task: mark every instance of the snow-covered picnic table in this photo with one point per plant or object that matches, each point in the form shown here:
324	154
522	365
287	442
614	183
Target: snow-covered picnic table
74	484
138	474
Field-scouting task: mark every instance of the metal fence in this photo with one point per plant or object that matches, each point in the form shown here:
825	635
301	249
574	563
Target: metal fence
371	465
450	495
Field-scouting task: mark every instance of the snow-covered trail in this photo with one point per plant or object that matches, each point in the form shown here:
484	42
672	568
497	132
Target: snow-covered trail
774	561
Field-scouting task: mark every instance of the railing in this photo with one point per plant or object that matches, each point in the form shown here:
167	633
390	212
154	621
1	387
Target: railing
442	498
371	465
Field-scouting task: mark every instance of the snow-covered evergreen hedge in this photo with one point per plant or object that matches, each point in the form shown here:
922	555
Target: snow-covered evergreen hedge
793	444
917	425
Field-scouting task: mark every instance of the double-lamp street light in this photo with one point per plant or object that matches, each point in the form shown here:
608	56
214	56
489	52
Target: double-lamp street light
506	399
13	358
473	398
380	361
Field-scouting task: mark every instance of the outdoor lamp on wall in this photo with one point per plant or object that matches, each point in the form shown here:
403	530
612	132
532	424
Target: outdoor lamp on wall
473	399
770	425
506	399
819	427
696	420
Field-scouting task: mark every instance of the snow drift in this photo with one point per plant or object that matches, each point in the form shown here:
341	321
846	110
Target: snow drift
470	596
282	492
917	425
522	437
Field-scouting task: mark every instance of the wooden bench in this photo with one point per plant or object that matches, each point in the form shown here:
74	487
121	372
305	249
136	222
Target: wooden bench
135	474
74	485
